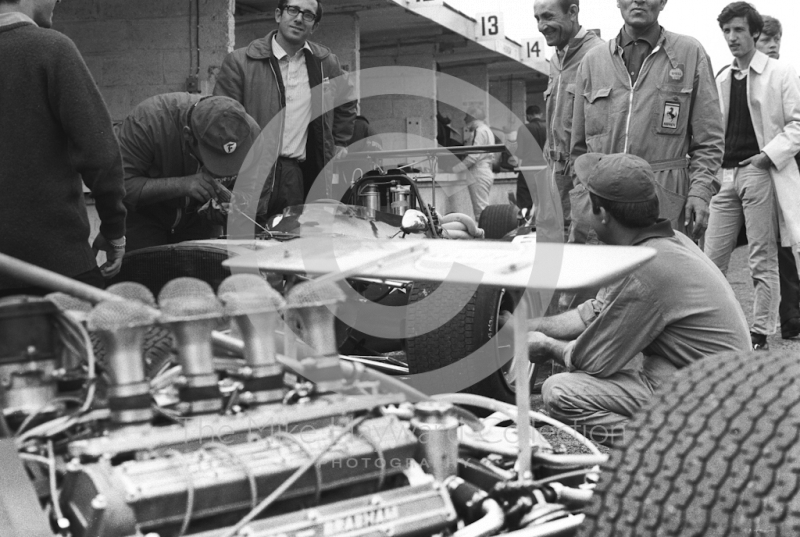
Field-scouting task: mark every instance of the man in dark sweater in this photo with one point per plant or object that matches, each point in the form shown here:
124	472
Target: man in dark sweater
762	117
54	131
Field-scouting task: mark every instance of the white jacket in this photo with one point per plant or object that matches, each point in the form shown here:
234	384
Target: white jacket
773	96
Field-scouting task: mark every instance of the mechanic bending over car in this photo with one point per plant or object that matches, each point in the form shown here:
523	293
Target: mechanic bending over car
286	71
181	154
675	310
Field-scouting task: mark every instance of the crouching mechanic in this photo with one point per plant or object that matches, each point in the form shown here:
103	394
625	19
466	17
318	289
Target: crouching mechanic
181	154
675	310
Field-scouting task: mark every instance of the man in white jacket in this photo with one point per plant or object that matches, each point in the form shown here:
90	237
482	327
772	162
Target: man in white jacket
760	101
478	165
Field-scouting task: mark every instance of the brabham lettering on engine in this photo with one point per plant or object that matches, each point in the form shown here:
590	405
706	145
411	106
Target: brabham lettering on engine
360	521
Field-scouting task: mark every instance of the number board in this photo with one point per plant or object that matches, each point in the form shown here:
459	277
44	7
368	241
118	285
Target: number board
490	26
534	49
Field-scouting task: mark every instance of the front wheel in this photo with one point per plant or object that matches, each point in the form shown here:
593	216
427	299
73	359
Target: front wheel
470	329
716	452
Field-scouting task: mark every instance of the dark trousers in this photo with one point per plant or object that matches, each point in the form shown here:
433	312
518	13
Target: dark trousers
91	277
288	188
790	285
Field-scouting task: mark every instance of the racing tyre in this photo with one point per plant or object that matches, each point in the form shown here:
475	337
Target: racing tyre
497	220
466	332
716	453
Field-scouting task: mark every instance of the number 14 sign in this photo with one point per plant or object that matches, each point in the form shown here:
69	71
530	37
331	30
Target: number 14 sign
534	50
490	26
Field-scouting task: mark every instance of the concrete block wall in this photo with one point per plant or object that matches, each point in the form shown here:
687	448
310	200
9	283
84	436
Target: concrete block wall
477	76
389	113
139	48
512	94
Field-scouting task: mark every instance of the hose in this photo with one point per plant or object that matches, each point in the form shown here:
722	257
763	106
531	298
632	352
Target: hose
491	522
470	225
510	410
563	526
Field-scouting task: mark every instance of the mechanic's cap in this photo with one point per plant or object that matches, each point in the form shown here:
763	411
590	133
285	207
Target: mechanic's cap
224	133
619	177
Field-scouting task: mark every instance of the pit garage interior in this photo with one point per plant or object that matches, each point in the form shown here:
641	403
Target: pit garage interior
139	49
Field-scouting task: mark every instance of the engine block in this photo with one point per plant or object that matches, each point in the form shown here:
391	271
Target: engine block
102	500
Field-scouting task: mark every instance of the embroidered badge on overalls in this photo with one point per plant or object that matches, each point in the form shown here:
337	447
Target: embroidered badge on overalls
672	112
676	74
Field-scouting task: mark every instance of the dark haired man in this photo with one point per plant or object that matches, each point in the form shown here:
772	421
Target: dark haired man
761	107
181	154
55	132
651	93
558	21
285	72
673	317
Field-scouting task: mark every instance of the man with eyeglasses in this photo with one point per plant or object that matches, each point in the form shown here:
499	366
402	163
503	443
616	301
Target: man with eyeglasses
181	154
285	72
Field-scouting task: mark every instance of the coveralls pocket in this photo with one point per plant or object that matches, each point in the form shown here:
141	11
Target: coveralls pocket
671	114
566	116
597	110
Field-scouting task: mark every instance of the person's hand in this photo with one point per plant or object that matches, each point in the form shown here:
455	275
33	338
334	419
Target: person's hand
115	251
341	152
697	212
760	161
504	318
539	348
459	168
201	187
511	143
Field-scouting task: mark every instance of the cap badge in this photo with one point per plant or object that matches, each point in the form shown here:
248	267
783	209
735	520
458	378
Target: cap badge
230	147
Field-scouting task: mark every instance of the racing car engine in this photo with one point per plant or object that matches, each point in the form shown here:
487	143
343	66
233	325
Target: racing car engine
218	444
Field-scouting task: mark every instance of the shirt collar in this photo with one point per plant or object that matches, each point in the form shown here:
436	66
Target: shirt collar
757	63
660	230
580	35
652	36
13	17
279	53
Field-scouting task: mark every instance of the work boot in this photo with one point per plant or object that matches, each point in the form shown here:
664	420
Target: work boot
759	342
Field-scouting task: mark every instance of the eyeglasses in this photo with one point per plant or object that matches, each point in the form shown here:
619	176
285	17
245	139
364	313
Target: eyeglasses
293	11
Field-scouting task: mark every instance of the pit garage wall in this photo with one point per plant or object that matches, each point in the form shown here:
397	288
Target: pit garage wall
139	48
404	121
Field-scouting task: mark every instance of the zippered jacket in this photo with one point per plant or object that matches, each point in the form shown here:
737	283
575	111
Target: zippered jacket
252	76
671	117
560	98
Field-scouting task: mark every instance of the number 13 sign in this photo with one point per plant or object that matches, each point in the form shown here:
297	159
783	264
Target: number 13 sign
490	26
